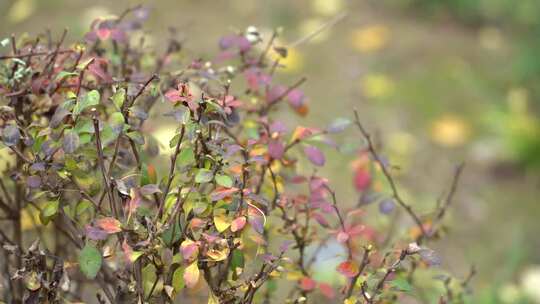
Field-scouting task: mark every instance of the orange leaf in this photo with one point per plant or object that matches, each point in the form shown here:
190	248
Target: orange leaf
348	268
109	224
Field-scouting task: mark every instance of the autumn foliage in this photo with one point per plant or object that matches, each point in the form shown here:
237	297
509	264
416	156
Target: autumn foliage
232	211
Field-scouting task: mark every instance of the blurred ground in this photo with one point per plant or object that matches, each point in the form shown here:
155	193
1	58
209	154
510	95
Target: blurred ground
435	87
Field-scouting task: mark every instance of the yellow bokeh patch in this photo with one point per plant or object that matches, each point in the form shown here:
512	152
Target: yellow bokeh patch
370	38
377	86
450	131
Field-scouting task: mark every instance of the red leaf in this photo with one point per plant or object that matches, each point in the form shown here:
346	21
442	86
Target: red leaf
348	268
314	155
103	33
173	95
327	290
134	201
109	224
238	223
342	237
307	284
96	69
221	193
189	250
362	179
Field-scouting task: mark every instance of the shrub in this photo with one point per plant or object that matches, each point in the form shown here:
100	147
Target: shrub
230	214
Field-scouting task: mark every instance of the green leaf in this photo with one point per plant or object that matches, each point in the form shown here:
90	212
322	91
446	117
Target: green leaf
117	123
401	284
168	236
49	211
224	180
148	175
203	176
90	261
118	98
81	66
137	137
237	263
149	277
186	157
64	74
178	279
107	135
82	206
90	99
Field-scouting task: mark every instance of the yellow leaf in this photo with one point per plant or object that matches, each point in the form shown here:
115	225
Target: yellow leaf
294	275
29	219
191	275
218	255
221	221
370	39
292	63
350	300
212	299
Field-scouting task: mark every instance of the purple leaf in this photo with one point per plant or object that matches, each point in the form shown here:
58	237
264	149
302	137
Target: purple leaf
95	233
276	149
257	222
296	98
320	219
150	189
275	93
314	155
33	181
285	245
386	206
338	125
278	127
430	257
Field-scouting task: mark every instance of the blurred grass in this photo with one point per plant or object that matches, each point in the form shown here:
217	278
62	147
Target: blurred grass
438	81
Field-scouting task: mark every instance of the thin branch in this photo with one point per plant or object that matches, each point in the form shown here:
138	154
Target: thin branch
101	163
270	103
5	57
330	23
388	176
171	170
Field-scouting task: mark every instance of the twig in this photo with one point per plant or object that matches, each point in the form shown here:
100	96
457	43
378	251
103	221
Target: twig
171	170
387	175
270	103
101	163
365	262
447	202
336	19
5	57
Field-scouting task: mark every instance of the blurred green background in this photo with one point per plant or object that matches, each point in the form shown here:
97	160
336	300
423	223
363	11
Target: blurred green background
437	81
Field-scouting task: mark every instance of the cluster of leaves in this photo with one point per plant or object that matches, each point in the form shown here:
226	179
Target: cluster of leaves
231	213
